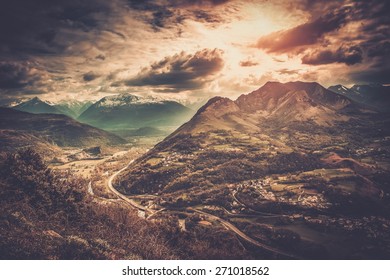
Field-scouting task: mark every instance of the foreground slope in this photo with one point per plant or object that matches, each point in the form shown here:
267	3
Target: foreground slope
294	157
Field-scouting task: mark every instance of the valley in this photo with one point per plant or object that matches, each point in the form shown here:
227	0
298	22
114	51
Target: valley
290	171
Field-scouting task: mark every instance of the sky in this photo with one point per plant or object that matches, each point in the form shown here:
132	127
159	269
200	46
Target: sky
187	50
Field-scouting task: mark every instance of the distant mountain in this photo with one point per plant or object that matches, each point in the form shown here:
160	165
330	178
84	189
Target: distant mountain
37	106
375	96
341	90
131	111
55	129
73	108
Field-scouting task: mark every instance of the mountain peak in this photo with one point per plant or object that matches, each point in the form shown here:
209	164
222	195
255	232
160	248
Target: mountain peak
36	98
126	99
218	106
37	106
272	93
280	103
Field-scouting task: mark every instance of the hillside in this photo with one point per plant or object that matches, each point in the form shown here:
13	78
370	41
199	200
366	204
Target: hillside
49	215
12	140
311	159
55	129
131	111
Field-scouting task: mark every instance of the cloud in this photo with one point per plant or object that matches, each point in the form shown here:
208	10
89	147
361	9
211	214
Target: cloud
90	76
305	34
199	2
380	49
17	75
48	27
181	71
166	14
352	32
100	57
248	63
286	71
348	55
56	47
372	75
377	72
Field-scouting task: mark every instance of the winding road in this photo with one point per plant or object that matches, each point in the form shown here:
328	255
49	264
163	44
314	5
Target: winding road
245	237
125	198
211	217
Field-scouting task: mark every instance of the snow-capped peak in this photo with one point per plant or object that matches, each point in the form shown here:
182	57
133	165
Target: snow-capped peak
125	99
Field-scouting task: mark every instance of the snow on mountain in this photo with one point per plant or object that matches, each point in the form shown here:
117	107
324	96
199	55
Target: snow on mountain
128	110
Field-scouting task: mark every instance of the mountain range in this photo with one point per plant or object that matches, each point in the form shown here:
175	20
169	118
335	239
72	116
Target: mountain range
276	103
71	108
374	96
131	111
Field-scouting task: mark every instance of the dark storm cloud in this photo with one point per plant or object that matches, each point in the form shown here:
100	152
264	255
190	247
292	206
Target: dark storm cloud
33	27
100	57
181	71
90	76
32	31
147	5
305	34
158	14
323	38
199	2
17	75
204	16
348	55
378	75
163	14
327	19
379	50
